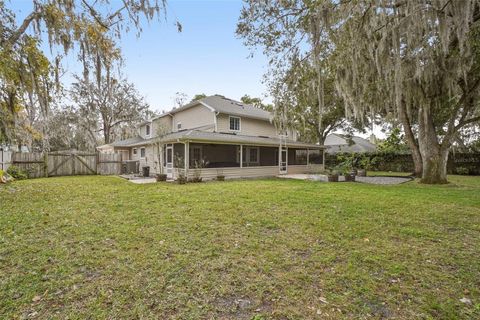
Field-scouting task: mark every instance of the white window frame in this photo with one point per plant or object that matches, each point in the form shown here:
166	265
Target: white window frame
149	129
179	126
144	152
239	123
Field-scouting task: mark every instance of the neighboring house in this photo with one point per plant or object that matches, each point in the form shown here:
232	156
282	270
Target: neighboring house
232	139
14	147
336	143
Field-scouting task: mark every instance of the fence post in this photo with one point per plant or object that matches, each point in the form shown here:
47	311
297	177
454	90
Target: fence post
97	159
45	164
72	156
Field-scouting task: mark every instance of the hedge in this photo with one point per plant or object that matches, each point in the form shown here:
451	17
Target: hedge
458	163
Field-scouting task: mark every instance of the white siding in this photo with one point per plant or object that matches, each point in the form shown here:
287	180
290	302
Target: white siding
249	127
148	160
194	117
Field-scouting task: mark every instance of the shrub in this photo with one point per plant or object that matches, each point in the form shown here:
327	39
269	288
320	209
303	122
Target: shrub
17	173
462	170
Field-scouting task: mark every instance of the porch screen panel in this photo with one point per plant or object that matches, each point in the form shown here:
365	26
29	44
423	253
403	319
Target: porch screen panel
179	155
268	156
301	156
217	155
316	157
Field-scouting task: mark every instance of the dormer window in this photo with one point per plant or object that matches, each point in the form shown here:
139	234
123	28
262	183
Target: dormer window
147	130
234	123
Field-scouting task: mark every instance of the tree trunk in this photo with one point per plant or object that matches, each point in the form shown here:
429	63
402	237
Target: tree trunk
434	156
416	155
106	133
434	166
411	141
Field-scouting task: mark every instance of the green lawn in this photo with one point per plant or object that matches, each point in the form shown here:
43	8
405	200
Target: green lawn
101	247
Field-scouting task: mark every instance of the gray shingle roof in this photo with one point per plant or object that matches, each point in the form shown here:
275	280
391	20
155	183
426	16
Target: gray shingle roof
225	105
127	142
204	136
336	143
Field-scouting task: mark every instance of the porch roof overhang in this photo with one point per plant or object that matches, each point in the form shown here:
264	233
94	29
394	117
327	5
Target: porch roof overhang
225	138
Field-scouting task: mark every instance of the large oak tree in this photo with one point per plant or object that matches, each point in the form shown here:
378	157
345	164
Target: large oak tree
90	28
416	60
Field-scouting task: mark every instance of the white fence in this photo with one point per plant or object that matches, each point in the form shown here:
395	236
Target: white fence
5	159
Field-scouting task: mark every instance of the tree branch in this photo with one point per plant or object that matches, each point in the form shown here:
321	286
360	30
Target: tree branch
94	14
10	41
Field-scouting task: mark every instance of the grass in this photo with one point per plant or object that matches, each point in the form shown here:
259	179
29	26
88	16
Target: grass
101	247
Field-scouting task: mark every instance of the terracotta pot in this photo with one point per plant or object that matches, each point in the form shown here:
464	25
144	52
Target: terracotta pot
161	177
332	177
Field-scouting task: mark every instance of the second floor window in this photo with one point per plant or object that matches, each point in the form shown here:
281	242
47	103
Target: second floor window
179	126
234	123
142	152
147	130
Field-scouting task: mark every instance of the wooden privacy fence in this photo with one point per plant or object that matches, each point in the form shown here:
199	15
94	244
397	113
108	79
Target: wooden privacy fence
62	163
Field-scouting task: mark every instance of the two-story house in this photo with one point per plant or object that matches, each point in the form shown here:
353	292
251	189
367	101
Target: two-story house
229	137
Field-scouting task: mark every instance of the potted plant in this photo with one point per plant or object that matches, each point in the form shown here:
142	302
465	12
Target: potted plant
349	161
347	173
367	163
220	176
161	177
332	175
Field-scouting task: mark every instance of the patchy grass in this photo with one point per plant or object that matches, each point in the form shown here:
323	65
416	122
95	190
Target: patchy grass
101	247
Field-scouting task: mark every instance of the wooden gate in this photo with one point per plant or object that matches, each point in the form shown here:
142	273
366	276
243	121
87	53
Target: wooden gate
70	164
67	163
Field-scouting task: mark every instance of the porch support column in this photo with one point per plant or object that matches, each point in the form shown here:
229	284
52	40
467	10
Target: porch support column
241	156
280	157
187	156
160	155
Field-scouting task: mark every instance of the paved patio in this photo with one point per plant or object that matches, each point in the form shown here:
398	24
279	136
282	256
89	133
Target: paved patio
371	180
139	179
